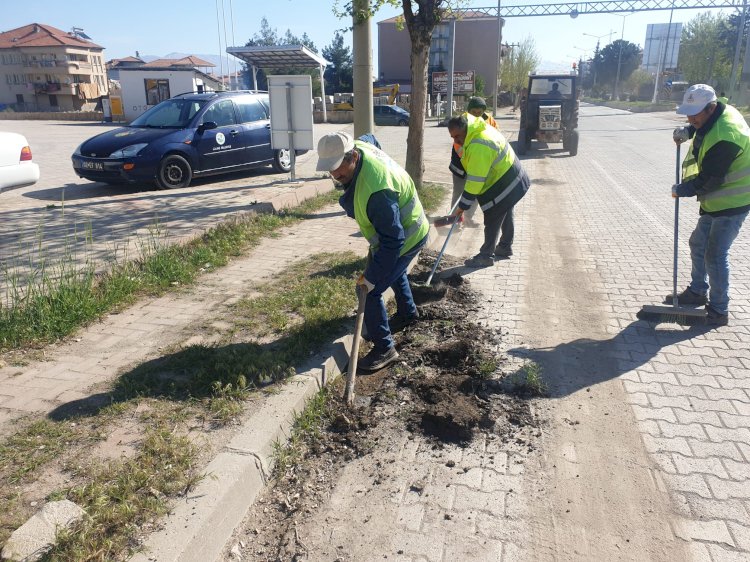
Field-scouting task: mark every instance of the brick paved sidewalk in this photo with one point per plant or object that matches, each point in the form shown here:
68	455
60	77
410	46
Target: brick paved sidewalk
94	356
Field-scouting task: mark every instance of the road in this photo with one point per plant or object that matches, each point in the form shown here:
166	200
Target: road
646	451
645	446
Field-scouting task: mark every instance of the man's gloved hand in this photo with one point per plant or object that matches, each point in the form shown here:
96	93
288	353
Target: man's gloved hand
364	283
681	134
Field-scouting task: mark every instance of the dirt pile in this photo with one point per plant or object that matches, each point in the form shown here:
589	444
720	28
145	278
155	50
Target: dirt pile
446	389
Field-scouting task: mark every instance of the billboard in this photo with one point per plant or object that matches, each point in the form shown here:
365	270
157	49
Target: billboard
463	82
662	47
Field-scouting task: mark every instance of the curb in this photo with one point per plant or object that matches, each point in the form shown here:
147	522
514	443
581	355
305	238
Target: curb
200	526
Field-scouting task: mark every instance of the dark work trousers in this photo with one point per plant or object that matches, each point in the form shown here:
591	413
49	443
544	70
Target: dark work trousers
506	239
376	315
494	216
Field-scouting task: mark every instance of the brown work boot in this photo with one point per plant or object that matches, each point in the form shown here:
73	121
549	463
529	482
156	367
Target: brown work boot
714	318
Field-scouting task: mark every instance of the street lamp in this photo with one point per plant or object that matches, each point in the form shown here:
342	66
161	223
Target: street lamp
616	93
596	51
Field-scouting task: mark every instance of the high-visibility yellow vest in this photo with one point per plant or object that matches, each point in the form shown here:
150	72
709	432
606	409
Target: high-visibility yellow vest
487	157
735	190
379	172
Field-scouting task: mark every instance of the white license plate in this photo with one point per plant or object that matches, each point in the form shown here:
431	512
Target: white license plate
86	165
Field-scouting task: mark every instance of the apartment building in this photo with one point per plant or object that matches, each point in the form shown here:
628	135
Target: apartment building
43	68
475	50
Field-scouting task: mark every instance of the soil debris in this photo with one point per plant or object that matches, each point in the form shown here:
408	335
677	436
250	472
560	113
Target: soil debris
446	390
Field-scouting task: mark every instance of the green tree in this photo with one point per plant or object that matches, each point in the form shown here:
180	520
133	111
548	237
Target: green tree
516	65
640	84
707	49
479	83
339	74
610	57
420	18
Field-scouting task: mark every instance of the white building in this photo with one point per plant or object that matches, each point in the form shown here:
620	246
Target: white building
145	86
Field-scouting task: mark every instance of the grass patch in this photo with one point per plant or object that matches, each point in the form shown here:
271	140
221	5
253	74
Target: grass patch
431	195
52	302
298	312
305	431
528	381
120	497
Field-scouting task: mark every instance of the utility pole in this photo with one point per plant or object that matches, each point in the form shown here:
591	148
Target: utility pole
735	63
498	58
362	44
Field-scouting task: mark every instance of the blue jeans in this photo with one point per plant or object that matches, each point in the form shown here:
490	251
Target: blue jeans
709	252
376	315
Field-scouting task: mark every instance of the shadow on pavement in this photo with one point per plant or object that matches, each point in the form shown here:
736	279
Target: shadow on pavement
572	366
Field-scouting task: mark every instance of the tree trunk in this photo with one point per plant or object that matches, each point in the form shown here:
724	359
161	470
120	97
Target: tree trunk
420	49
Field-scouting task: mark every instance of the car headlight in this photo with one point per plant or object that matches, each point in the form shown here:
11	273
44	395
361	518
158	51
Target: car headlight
78	150
129	151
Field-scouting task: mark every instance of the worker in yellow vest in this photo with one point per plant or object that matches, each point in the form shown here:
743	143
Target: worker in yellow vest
716	170
478	108
381	196
495	179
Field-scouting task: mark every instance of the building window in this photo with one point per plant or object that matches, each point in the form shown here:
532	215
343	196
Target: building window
19	98
156	90
53	100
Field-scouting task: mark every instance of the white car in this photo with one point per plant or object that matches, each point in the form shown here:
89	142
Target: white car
16	166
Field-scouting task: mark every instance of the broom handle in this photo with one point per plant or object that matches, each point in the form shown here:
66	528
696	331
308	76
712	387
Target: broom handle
676	230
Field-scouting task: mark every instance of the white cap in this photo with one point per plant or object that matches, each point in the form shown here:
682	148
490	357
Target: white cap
697	97
331	150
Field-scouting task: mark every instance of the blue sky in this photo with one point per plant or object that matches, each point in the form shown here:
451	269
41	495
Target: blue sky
159	27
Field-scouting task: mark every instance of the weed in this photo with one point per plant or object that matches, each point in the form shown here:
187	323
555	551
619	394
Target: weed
431	195
305	430
527	381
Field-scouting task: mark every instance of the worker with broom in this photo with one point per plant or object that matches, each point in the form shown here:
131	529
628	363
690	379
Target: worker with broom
380	195
478	108
494	178
717	171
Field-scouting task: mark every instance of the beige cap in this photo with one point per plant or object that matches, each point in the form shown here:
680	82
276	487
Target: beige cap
331	150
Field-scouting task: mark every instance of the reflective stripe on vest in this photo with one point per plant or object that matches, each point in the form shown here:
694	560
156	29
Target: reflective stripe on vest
503	194
735	189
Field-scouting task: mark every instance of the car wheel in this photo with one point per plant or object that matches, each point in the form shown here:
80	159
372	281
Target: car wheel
402	123
282	160
174	172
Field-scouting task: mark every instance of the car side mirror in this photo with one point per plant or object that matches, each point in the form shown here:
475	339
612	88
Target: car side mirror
207	126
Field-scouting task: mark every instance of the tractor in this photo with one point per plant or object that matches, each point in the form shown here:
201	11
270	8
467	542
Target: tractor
549	112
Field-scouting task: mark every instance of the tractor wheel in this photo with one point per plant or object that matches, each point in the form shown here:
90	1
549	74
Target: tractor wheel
522	144
573	143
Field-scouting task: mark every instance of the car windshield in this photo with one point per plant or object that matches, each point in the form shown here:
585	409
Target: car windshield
169	114
552	86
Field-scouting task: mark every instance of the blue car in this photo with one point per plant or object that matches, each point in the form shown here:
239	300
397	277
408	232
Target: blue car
187	136
390	115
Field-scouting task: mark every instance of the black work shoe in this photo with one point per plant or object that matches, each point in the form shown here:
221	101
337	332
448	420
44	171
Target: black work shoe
480	261
377	359
714	318
688	297
503	251
397	322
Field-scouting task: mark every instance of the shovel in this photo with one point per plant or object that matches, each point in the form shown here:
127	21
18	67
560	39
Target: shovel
351	374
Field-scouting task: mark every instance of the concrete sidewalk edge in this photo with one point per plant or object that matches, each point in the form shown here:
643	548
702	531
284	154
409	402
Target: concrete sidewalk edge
200	526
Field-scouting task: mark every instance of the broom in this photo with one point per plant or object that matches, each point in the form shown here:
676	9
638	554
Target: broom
677	314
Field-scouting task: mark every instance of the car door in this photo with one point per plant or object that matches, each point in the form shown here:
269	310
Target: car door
255	131
219	149
378	114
